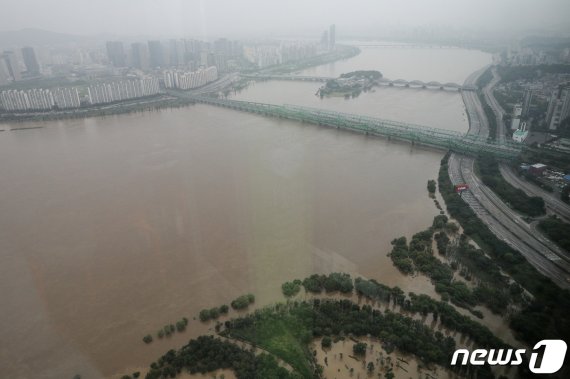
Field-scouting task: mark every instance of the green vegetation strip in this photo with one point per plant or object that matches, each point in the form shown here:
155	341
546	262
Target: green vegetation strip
547	315
489	169
206	354
491	289
491	118
557	230
485	78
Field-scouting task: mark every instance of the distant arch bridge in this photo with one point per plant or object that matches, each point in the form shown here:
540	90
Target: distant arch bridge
382	81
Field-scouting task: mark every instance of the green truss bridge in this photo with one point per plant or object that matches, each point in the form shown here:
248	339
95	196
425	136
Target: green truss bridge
467	144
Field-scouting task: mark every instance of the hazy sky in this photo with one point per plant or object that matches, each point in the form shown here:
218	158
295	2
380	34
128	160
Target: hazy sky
249	17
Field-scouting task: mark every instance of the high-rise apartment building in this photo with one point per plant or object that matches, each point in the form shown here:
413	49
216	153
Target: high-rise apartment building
11	64
187	80
65	98
527	102
116	53
36	99
5	77
120	90
332	37
30	60
156	54
140	56
558	107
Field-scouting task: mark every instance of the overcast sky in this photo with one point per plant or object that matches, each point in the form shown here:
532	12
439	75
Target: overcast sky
211	18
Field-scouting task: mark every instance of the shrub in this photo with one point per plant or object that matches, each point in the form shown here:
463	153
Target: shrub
204	315
290	289
180	326
243	301
431	186
359	348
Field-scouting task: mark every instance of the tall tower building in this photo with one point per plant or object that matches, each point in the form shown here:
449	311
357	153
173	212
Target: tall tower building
5	77
30	60
156	54
559	107
11	65
527	102
140	56
116	53
177	52
332	37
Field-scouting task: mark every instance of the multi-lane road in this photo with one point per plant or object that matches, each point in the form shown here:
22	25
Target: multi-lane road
504	222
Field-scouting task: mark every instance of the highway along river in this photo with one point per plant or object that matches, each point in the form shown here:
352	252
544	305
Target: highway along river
112	227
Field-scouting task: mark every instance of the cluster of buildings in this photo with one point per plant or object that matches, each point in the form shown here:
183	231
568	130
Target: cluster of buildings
121	90
11	69
39	99
270	54
535	55
117	57
558	109
542	102
183	53
264	55
187	80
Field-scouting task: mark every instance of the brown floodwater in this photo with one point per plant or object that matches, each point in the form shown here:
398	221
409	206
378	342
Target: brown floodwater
112	227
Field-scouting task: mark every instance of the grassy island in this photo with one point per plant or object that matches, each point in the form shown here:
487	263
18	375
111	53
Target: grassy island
350	84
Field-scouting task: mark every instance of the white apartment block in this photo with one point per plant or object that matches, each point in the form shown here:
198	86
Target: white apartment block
187	80
66	98
36	99
122	90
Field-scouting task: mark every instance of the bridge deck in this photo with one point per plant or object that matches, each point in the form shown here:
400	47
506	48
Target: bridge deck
439	138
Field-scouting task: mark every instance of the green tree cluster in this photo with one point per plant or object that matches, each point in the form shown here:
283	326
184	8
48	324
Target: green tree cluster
557	230
291	289
334	282
206	354
359	348
243	301
517	198
431	186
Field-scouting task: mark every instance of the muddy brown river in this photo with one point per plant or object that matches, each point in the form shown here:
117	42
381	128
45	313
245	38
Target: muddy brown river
112	227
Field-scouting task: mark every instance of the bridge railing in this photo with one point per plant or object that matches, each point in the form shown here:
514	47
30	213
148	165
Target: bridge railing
441	138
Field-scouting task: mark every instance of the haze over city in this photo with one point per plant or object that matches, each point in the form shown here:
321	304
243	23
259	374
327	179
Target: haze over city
252	18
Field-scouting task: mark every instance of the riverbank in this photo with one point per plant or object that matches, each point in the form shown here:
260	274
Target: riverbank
140	105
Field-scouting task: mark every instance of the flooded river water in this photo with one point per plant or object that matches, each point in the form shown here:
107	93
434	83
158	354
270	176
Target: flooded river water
112	227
